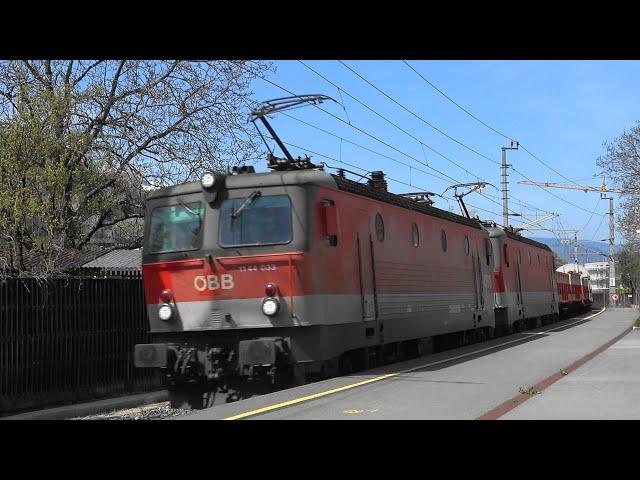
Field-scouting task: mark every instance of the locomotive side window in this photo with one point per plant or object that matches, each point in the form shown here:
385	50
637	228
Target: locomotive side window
379	227
466	245
415	235
506	255
175	228
529	257
265	221
443	240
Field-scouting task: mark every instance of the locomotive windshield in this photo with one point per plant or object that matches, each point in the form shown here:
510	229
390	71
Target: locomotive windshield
264	221
175	228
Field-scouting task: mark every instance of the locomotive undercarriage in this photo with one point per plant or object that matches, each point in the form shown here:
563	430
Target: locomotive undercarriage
200	374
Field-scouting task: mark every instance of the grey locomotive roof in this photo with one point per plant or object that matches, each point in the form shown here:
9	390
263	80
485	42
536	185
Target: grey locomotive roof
520	238
250	180
388	197
496	232
316	177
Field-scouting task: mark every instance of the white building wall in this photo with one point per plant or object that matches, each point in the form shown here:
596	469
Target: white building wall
599	274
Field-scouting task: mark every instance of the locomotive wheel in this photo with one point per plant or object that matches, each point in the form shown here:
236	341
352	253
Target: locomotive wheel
421	348
299	375
191	397
482	335
346	366
414	348
491	332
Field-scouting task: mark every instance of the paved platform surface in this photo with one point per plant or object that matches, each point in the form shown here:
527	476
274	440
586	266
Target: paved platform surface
605	388
464	383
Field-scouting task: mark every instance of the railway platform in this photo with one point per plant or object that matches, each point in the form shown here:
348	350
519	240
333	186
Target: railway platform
494	379
605	388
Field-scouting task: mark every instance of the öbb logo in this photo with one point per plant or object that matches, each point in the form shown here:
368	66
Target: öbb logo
212	282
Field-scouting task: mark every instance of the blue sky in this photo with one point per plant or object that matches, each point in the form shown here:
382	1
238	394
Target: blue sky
561	111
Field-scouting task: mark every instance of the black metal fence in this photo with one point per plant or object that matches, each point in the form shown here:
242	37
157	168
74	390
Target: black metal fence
70	339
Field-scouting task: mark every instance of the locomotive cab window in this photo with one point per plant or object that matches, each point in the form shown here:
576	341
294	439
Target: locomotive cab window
466	245
443	240
506	255
175	228
261	221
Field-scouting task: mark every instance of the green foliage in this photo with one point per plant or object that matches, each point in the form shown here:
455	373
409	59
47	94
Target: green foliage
621	164
38	183
81	141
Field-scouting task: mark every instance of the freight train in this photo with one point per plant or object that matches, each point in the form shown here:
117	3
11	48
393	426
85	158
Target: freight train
298	273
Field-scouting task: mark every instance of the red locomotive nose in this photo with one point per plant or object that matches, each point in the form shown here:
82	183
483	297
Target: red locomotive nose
271	289
165	296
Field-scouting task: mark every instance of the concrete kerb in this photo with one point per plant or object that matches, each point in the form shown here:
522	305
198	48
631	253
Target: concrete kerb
92	408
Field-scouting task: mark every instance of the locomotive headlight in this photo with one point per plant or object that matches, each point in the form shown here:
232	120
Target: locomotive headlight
270	306
165	312
208	180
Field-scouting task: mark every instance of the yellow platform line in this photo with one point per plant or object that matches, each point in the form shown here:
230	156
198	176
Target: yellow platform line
388	375
310	397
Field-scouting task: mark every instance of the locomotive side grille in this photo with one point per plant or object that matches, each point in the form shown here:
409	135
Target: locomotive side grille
216	319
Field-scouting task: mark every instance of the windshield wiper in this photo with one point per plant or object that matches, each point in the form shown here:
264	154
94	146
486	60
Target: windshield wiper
192	212
248	201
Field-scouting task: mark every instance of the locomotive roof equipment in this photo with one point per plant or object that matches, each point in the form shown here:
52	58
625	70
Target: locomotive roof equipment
279	105
459	196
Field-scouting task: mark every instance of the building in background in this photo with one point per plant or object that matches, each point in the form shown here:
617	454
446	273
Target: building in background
599	276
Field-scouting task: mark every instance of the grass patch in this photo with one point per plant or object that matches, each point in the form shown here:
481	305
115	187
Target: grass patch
637	324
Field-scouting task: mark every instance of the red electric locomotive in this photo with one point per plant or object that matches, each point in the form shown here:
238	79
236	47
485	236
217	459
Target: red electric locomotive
523	281
295	273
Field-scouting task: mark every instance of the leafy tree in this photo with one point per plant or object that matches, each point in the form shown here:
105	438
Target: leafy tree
621	164
81	142
628	265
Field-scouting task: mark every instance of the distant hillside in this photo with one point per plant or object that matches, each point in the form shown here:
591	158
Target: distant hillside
584	254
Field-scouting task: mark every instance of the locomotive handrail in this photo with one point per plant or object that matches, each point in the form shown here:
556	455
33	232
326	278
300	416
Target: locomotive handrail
193	262
296	255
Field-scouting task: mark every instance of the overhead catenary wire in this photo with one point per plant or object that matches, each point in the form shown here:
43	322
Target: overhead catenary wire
403	130
598	229
412	185
508	137
592	213
379	153
371	135
417	116
411	167
362	146
393	123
